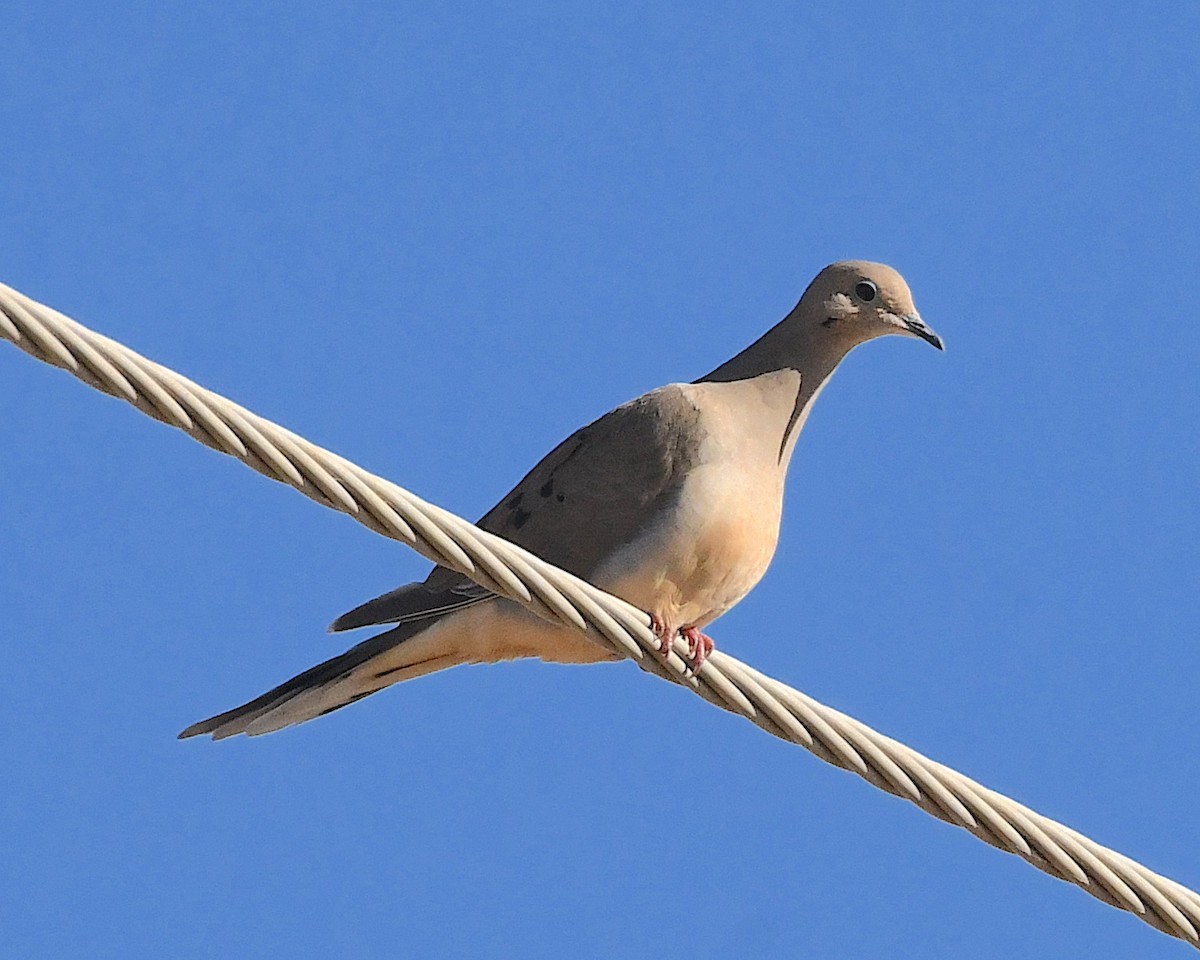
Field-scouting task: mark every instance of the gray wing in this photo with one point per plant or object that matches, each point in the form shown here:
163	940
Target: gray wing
414	601
590	495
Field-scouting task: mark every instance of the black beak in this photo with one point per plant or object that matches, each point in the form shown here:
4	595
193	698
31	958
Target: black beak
914	323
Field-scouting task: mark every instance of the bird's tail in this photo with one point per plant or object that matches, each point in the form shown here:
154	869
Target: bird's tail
407	651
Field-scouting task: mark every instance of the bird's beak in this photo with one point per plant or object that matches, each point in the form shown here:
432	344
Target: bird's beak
913	324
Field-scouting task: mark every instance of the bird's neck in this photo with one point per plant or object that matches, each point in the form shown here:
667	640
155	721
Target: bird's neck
785	348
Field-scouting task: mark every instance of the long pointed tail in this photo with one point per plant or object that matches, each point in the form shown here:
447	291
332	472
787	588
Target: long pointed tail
408	651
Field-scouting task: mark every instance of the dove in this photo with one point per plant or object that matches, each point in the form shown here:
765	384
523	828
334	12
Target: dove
671	501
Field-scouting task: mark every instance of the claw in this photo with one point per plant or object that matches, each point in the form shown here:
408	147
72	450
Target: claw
700	645
664	633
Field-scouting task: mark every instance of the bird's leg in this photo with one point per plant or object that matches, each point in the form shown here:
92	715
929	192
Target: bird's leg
663	632
700	645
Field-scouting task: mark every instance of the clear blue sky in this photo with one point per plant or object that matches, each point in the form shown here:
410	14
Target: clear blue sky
438	241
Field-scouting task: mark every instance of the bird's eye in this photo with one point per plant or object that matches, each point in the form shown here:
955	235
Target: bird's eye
865	290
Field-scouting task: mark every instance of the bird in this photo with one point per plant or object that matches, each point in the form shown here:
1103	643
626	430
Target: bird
671	501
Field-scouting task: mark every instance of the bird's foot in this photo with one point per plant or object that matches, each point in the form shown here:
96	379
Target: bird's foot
664	633
700	645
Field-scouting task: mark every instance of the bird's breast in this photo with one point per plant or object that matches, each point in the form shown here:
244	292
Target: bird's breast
706	549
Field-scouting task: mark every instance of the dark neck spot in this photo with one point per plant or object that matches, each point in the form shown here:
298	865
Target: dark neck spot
797	407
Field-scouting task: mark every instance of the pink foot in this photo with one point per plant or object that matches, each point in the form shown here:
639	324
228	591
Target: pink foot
700	645
664	633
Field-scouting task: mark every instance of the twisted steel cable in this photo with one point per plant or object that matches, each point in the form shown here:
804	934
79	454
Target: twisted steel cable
558	596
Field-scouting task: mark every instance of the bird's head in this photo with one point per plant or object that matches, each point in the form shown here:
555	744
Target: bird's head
847	303
856	301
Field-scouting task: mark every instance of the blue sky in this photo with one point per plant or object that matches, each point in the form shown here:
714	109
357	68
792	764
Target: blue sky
438	241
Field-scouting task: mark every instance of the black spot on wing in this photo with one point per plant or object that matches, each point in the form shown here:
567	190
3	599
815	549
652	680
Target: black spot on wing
517	516
347	702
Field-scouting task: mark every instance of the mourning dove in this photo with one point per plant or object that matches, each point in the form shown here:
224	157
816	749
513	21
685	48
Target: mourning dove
671	501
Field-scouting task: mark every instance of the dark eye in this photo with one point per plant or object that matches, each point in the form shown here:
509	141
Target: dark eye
865	290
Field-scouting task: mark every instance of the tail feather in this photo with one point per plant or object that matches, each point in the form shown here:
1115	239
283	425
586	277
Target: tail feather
486	632
350	689
407	651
